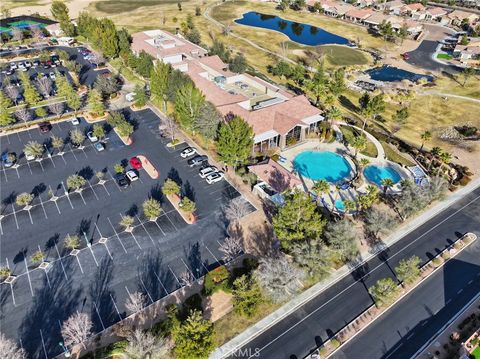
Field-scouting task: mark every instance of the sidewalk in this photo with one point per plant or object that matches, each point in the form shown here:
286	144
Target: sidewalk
290	307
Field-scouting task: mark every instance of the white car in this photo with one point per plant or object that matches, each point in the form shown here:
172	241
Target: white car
215	177
130	96
29	157
204	172
92	137
13	66
187	152
75	121
21	66
51	75
99	146
132	175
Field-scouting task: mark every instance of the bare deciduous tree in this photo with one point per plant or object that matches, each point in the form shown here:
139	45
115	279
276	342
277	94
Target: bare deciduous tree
9	349
17	34
12	92
44	85
278	278
236	209
186	278
232	247
379	222
23	115
57	108
76	329
168	127
146	345
135	302
37	32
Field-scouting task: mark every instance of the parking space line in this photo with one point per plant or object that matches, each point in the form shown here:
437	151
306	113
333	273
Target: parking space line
28	275
185	264
135	238
60	258
161	283
117	235
93	255
208	249
143	225
45	270
160	228
66	195
80	265
93	190
5	174
73	153
99	317
30	168
146	290
43	207
43	344
174	275
115	305
13	296
174	226
41	165
113	179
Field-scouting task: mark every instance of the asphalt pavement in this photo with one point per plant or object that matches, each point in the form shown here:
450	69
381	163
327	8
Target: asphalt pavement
422	57
301	332
152	259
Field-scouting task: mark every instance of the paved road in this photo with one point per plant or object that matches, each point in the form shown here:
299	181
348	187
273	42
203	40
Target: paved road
422	57
308	327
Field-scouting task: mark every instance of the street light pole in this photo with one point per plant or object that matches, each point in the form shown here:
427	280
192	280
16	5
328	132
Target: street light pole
64	188
48	151
66	352
88	242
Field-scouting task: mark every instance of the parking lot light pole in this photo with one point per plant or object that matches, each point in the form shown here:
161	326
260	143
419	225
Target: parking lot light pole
66	352
64	188
88	242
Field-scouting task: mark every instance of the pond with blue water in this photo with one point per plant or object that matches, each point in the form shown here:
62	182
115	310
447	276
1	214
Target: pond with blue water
302	33
390	74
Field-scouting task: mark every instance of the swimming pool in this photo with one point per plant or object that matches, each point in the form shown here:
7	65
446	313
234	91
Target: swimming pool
322	165
376	174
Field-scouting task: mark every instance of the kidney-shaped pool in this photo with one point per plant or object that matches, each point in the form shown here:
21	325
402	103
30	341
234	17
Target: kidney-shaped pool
324	165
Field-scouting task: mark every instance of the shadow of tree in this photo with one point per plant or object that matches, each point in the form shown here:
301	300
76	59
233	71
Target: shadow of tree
189	191
154	277
175	176
348	104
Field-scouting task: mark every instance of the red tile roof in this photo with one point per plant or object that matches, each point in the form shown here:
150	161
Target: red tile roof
359	13
276	176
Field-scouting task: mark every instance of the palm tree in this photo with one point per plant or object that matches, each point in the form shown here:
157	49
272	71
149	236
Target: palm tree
386	183
334	113
359	144
426	136
320	187
350	205
445	157
435	151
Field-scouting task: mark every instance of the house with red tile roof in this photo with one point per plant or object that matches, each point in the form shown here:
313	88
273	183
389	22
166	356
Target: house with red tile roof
166	47
435	13
358	15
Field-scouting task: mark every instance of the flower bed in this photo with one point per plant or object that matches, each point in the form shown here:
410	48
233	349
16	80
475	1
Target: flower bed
175	201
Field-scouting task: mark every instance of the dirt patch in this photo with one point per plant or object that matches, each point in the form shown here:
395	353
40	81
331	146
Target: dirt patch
217	305
74	6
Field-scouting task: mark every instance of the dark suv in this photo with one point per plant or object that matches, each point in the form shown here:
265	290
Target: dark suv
122	180
197	160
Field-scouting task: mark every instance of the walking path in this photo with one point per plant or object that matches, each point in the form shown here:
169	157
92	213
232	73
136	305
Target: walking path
378	145
291	306
435	93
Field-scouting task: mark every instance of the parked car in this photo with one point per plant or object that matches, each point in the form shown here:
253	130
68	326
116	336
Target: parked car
51	75
55	60
92	137
29	157
406	56
36	63
27	64
13	65
135	163
130	96
215	177
132	175
122	180
206	171
187	152
75	121
99	146
8	159
197	160
44	127
21	66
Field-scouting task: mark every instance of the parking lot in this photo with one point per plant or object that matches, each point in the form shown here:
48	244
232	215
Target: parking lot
88	72
152	258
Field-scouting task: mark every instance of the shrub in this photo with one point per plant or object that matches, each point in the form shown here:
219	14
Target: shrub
215	280
437	261
100	175
151	208
37	257
4	272
194	302
24	199
445	255
170	187
118	168
335	343
72	242
187	205
458	245
76	182
127	221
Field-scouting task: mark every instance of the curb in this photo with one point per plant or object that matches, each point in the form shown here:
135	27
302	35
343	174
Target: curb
288	308
402	296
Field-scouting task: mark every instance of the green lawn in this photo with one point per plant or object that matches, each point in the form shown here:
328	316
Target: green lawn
342	55
120	6
393	156
476	353
444	56
350	133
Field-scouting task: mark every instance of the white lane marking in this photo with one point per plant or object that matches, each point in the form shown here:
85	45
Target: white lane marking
121	243
28	275
43	344
115	305
60	258
98	313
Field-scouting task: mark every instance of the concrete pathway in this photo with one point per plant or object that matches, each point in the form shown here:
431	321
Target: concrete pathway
435	93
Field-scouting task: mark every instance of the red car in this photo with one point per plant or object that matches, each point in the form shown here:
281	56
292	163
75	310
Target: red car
135	163
406	56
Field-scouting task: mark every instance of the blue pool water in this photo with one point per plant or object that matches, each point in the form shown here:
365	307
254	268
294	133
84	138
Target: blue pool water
340	205
298	32
390	74
376	174
322	165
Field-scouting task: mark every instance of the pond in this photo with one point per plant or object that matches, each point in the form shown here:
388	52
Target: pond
302	33
390	74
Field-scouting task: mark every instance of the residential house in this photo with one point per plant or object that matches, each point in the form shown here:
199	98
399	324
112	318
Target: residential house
458	16
358	15
278	119
166	47
416	11
468	54
276	176
374	20
363	3
392	7
335	9
435	14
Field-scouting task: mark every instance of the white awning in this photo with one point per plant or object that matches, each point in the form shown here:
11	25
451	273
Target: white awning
265	136
313	119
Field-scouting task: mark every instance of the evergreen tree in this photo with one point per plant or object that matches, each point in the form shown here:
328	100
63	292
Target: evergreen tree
408	270
124	40
235	141
94	103
208	121
341	237
238	64
59	11
30	93
297	220
188	103
159	75
218	48
5	117
109	39
246	295
337	83
194	337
